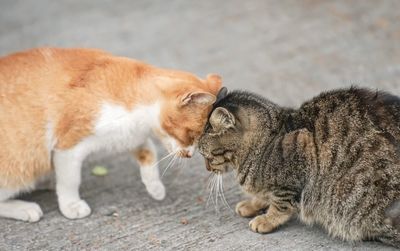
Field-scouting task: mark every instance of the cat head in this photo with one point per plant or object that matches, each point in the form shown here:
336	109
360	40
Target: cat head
221	139
238	122
184	112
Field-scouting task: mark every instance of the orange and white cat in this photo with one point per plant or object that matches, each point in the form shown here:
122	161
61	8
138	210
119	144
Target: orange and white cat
59	105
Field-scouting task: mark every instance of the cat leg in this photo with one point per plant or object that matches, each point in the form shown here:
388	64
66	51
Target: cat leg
18	209
146	155
68	179
274	217
250	208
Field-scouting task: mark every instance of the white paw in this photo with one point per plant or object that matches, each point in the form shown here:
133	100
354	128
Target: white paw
75	210
156	190
26	211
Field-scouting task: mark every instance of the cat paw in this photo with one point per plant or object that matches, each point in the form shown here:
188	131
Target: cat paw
75	210
246	209
261	225
27	211
156	190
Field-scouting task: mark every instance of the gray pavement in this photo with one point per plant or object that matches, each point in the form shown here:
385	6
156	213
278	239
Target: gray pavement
285	50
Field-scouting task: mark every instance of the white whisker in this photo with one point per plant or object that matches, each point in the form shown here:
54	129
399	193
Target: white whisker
163	158
209	188
209	180
212	185
171	163
222	193
217	194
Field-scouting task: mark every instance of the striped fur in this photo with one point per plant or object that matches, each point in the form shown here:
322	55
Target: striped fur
335	161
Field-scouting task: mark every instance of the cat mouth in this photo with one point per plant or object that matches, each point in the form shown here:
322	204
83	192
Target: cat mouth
216	168
185	153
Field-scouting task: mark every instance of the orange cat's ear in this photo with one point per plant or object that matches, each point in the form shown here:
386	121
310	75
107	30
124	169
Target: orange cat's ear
214	82
200	98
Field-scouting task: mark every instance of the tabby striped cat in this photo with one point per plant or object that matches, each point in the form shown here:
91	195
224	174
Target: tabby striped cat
335	161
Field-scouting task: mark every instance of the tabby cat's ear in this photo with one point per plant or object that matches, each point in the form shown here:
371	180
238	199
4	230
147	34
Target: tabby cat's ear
200	98
221	118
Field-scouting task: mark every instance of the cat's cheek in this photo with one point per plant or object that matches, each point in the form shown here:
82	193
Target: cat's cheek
173	146
170	144
164	138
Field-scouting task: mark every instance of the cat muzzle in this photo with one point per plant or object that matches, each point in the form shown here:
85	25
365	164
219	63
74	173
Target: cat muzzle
220	168
185	154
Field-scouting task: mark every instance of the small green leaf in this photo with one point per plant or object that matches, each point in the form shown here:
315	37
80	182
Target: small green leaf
100	171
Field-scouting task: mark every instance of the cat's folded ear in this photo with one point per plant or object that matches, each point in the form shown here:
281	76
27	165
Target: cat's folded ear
207	97
198	98
221	118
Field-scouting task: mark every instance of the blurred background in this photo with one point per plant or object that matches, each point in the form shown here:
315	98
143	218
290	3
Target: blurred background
286	50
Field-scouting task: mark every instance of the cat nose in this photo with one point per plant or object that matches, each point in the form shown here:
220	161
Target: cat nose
185	153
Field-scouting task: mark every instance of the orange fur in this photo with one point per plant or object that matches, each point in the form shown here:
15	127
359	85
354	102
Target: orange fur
144	157
64	88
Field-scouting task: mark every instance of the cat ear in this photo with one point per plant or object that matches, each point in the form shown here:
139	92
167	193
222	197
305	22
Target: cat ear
200	98
214	82
221	118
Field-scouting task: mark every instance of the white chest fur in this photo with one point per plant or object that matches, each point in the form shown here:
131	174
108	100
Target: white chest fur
118	129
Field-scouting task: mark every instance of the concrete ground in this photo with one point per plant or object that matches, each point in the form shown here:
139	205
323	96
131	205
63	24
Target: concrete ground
285	50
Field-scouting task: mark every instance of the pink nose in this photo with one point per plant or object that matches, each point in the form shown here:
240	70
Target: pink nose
185	154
